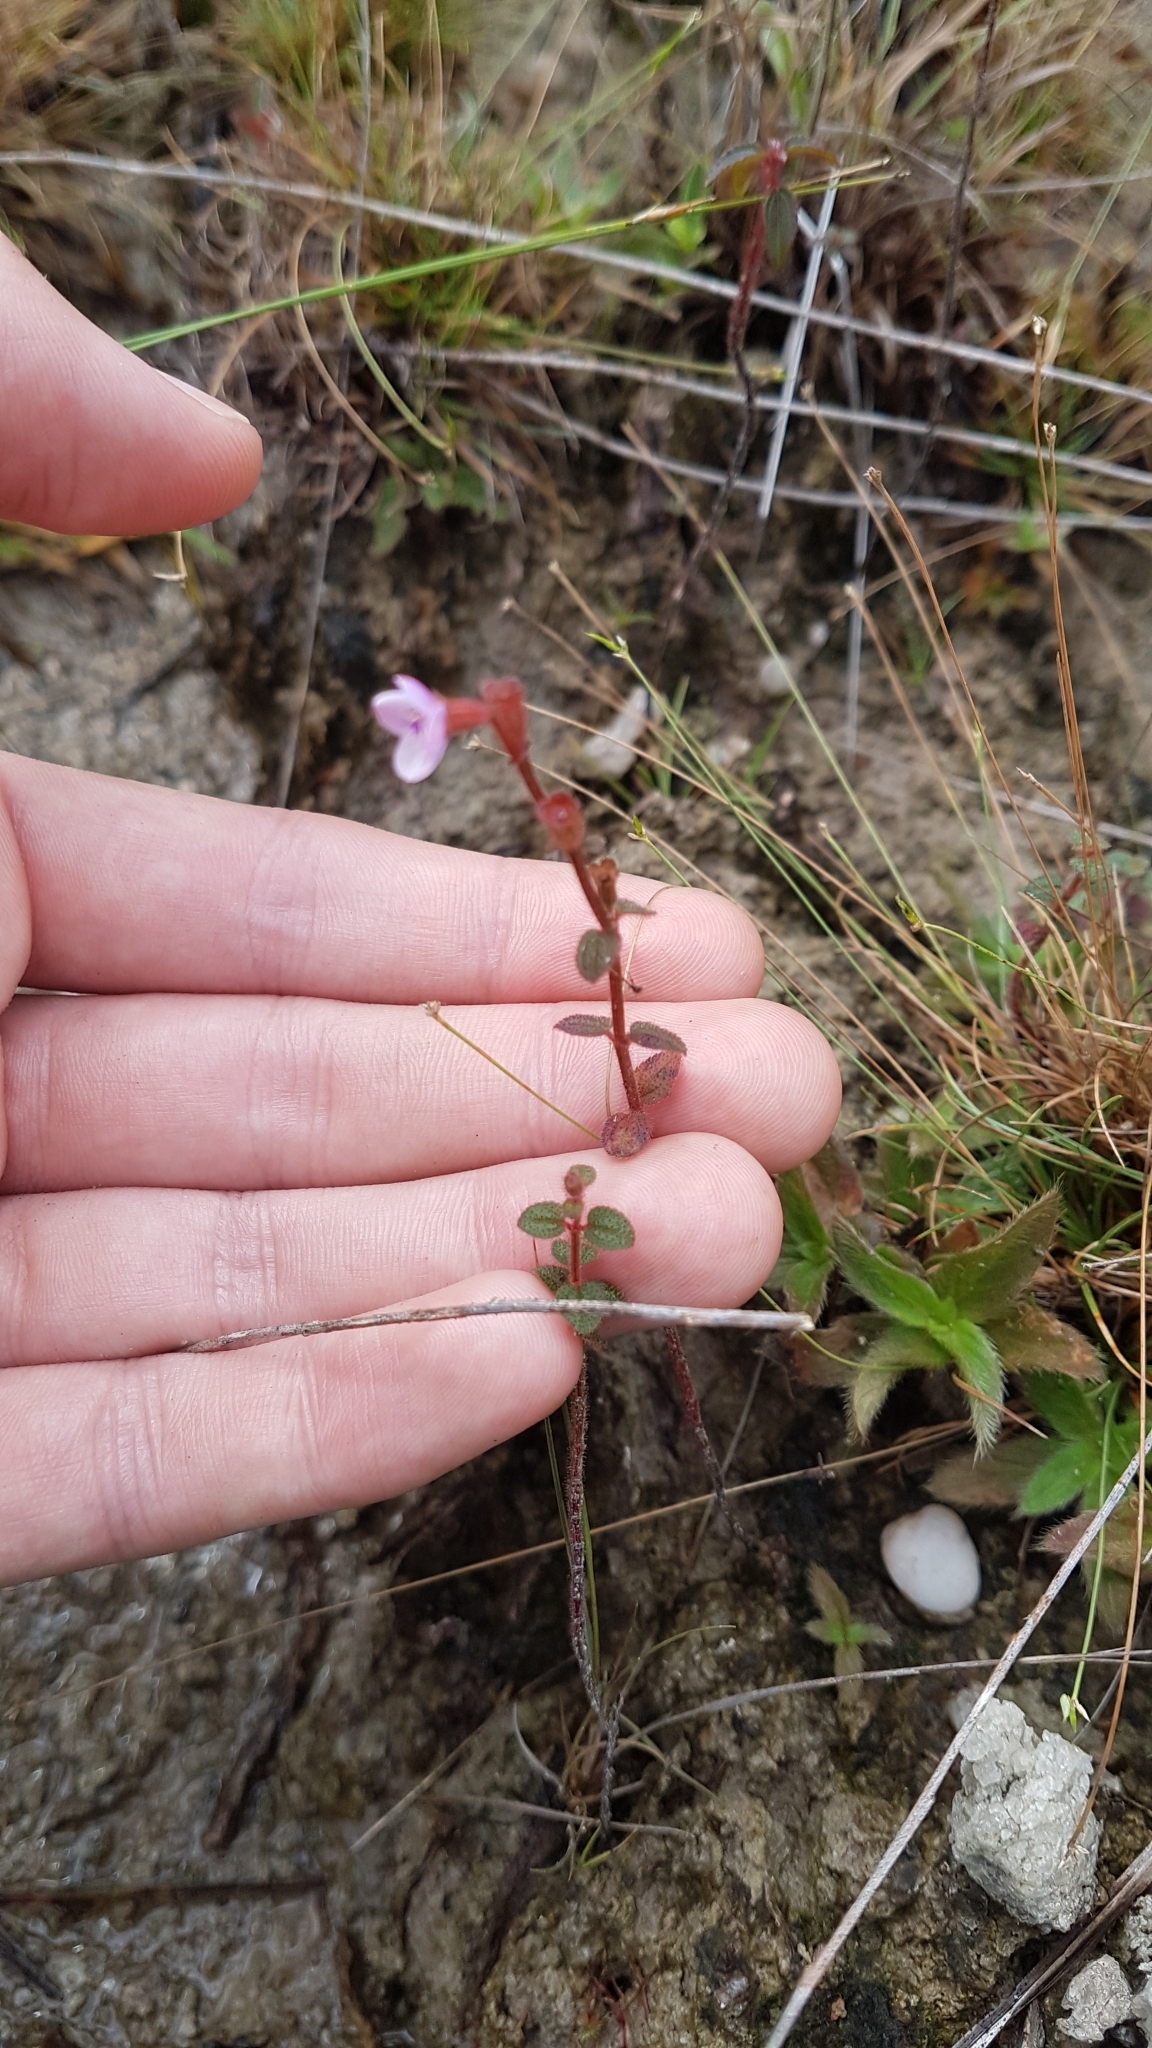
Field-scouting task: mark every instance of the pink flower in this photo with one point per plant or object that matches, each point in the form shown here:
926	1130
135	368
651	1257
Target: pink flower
418	718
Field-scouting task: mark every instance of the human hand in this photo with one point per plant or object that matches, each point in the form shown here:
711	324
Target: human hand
242	1117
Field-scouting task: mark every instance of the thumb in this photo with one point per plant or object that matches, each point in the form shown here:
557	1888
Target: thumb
99	442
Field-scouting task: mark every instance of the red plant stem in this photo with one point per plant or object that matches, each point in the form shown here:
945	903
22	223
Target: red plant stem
690	1401
608	922
751	264
574	1515
620	1036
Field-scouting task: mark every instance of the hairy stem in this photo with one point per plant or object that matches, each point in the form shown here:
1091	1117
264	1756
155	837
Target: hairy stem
690	1401
574	1515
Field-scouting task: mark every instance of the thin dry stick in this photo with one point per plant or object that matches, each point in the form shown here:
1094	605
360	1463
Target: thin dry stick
961	511
822	1961
453	1312
943	389
794	349
583	361
1138	1559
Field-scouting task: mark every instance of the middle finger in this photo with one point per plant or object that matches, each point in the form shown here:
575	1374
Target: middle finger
266	1092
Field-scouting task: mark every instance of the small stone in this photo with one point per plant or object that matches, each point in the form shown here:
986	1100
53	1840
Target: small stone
613	751
933	1561
1021	1796
1097	1998
1138	1935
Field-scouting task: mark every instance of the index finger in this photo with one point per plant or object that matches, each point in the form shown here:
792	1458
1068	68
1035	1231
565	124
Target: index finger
136	889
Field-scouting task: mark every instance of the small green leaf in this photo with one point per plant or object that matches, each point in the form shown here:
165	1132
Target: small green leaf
554	1277
779	226
982	1369
985	1281
596	953
654	1038
542	1220
582	1175
1067	1408
608	1231
1061	1478
587	1290
560	1251
585	1027
889	1281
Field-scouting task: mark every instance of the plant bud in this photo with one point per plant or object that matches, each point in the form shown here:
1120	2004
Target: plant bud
563	819
504	697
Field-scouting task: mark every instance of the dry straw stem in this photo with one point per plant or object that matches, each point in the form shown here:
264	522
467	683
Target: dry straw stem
657	1313
696	282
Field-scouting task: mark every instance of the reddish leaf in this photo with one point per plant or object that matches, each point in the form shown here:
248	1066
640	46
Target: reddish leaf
579	1026
656	1077
626	1133
654	1038
577	1177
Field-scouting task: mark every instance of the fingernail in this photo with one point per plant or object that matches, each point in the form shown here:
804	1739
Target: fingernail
205	399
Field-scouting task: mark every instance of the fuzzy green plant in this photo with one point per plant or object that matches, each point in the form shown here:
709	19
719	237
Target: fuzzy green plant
963	1311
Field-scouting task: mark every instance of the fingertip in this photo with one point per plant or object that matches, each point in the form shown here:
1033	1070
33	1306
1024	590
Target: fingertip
105	442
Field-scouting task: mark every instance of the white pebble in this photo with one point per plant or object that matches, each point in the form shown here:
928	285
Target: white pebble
614	750
933	1561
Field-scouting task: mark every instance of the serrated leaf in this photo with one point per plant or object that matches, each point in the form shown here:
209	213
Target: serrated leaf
981	1369
579	1026
894	1350
1062	1477
985	1281
994	1481
1066	1406
608	1230
596	953
541	1220
560	1250
888	1280
656	1077
626	1133
654	1038
1031	1340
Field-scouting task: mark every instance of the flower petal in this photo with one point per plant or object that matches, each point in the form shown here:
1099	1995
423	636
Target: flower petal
421	749
394	711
